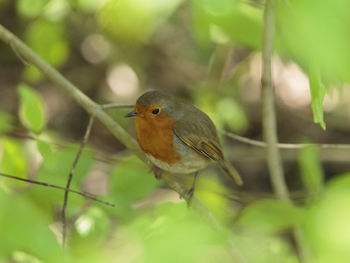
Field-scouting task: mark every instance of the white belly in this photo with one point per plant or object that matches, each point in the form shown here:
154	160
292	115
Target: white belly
185	166
190	162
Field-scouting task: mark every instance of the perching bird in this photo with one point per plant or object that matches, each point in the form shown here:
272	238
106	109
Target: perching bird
177	137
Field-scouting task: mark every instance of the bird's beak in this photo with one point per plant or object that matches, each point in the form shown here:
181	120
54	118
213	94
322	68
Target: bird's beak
133	114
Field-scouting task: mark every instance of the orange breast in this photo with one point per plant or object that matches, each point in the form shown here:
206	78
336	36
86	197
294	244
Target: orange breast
156	139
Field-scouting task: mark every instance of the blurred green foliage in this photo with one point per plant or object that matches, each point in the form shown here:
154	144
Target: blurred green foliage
6	121
31	111
311	169
315	33
24	227
326	226
228	17
14	158
129	185
270	216
224	112
48	40
133	21
318	91
30	8
146	225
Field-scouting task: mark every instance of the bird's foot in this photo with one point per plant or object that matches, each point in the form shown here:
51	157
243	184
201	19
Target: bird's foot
188	196
157	172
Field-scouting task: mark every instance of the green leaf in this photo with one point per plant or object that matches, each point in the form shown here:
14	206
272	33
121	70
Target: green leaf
93	223
316	30
23	257
241	22
130	181
114	18
31	111
23	227
48	40
270	216
311	169
173	225
327	223
13	161
318	91
217	7
30	8
44	148
57	10
6	121
230	113
89	6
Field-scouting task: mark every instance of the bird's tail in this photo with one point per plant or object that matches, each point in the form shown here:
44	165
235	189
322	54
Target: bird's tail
231	171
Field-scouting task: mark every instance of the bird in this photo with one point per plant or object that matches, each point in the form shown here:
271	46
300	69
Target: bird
177	137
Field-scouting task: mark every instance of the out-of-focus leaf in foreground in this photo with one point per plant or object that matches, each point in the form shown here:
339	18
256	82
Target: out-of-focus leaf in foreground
30	8
93	223
327	224
31	111
172	233
23	227
44	149
311	169
316	32
6	120
237	21
130	181
14	160
318	91
48	40
270	216
133	21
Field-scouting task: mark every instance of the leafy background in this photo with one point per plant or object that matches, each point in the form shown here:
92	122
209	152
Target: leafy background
206	53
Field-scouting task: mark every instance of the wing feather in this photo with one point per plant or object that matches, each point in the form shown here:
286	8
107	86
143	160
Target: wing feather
197	131
199	134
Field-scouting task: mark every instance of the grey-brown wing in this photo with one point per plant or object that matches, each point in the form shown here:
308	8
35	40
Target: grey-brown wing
197	131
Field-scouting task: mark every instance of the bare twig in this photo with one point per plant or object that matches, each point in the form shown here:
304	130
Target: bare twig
70	177
84	194
290	146
115	106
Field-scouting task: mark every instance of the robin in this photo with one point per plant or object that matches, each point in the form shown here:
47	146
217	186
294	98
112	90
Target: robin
177	137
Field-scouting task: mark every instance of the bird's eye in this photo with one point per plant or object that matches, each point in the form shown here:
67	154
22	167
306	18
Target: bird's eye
155	111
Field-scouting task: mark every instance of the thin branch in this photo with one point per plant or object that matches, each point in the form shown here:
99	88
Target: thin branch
268	106
290	146
25	63
84	194
269	121
94	110
70	177
116	106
